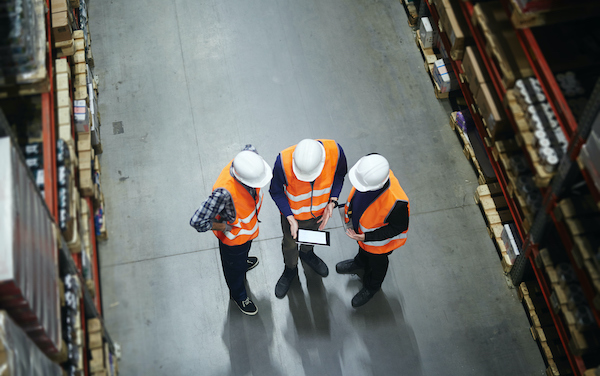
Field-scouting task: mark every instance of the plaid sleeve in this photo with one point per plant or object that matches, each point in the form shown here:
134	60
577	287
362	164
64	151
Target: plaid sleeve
219	202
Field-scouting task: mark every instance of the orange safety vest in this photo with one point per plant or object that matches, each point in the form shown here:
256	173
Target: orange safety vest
303	198
374	217
245	226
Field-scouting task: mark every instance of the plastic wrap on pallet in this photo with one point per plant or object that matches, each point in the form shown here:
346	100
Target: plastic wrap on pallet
20	355
464	119
28	254
512	241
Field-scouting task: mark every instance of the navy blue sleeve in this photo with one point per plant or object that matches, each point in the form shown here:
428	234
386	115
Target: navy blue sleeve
276	189
340	173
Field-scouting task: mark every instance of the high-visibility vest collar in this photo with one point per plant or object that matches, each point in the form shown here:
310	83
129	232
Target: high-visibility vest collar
375	215
309	199
245	225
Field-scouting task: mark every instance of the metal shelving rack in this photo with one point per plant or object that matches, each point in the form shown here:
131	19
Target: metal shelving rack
71	263
566	174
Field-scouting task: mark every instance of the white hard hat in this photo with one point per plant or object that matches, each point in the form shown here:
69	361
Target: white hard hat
251	169
370	173
308	160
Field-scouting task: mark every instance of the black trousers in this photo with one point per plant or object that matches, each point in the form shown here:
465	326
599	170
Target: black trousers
375	267
233	260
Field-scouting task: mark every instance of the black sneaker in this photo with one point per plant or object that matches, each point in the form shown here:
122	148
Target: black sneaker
347	267
286	279
315	263
363	296
247	307
252	262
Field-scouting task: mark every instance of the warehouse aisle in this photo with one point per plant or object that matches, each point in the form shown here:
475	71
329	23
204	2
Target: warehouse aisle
184	88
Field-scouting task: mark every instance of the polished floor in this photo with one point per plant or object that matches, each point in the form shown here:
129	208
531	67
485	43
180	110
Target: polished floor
184	85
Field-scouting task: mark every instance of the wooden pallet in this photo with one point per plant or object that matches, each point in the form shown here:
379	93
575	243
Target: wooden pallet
429	58
495	211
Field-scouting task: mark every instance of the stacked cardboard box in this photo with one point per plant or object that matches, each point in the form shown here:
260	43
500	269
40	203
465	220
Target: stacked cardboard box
444	76
453	23
86	158
62	17
102	362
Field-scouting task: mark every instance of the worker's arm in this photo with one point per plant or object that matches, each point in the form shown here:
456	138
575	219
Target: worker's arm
276	190
397	223
219	202
340	173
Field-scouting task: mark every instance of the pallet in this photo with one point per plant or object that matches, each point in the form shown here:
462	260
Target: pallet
495	211
429	58
502	44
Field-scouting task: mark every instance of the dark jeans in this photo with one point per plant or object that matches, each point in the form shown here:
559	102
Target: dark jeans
375	267
289	246
233	260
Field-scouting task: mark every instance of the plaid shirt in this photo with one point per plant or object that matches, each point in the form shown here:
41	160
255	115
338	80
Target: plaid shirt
220	203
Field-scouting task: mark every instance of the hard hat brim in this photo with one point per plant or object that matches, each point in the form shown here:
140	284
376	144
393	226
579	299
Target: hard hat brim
258	182
360	186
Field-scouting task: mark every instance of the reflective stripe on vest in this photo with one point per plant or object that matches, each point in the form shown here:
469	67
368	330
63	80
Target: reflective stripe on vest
374	217
245	225
303	197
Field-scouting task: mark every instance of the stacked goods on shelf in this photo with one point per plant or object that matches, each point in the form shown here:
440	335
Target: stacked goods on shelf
87	254
19	355
62	27
412	11
453	23
102	361
462	124
23	48
496	214
502	44
581	216
543	330
29	272
589	159
444	77
72	331
526	14
568	301
34	159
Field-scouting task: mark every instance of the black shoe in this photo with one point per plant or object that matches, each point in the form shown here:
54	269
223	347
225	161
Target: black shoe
252	262
347	267
363	296
286	279
315	263
247	307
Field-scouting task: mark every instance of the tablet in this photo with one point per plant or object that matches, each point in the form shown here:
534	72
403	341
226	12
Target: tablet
313	237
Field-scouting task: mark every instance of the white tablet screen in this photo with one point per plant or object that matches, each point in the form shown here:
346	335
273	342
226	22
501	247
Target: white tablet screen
313	237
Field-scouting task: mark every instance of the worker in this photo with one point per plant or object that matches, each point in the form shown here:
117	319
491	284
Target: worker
231	212
307	181
377	212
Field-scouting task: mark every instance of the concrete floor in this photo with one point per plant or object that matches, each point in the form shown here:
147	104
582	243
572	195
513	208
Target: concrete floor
192	82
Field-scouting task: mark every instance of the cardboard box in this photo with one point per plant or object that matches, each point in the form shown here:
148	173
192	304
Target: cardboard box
456	28
491	110
61	28
79	44
97	362
426	33
83	142
79	68
474	69
79	57
81	93
85	160
65	132
62	66
62	81
63	99
64	116
444	76
80	80
78	34
81	115
57	6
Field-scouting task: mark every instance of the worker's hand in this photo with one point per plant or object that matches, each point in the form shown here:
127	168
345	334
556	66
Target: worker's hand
221	226
293	226
326	215
358	237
